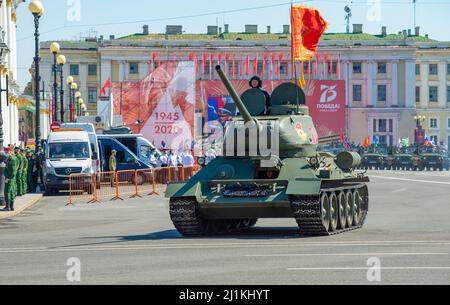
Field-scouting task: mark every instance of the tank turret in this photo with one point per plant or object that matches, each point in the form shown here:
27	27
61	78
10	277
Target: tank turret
285	125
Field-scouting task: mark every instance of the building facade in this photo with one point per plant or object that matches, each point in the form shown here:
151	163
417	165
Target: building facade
380	71
8	68
433	90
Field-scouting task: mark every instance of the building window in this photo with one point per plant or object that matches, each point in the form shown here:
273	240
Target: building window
381	68
134	68
448	94
448	69
92	95
434	140
92	70
448	123
433	123
433	94
417	69
417	94
433	69
357	93
382	125
74	70
382	93
357	67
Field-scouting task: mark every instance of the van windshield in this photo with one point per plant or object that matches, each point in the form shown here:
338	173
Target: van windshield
75	150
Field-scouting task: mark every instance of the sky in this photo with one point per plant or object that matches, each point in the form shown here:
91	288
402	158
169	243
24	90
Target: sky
75	19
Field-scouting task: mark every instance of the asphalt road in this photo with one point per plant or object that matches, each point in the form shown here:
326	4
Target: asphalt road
407	234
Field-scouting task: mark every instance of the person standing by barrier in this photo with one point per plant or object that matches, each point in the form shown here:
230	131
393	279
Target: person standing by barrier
10	176
24	173
113	166
187	160
173	164
30	174
163	163
20	165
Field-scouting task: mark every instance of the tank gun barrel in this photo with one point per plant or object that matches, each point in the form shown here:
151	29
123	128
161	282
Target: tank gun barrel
234	95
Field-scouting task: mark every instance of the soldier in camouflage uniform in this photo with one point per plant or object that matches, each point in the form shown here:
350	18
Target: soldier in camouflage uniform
10	175
18	153
24	173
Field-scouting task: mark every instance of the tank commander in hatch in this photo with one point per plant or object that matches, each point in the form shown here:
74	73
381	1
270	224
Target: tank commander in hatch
256	83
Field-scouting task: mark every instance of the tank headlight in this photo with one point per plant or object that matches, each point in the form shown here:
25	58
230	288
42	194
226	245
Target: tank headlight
313	161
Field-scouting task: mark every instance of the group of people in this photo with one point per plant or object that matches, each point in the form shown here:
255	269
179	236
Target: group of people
174	166
21	174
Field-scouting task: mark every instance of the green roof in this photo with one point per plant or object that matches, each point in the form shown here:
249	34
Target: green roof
272	37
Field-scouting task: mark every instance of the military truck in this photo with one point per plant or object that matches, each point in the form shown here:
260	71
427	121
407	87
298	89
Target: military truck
405	159
375	158
433	159
320	191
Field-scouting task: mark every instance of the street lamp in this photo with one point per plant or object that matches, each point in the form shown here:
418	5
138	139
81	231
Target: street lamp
70	81
83	109
55	48
77	102
61	62
74	87
37	9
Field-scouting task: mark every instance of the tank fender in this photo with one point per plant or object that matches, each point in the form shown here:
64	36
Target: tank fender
182	189
302	186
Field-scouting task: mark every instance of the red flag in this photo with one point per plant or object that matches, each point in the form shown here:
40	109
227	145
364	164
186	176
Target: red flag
220	57
331	65
324	65
247	65
205	59
266	57
274	56
106	85
227	61
316	66
233	72
197	66
309	68
159	60
366	142
308	27
191	56
255	65
241	65
339	66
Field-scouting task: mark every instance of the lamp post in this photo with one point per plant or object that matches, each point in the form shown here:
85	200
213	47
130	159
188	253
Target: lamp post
70	81
61	62
74	87
37	9
77	102
55	48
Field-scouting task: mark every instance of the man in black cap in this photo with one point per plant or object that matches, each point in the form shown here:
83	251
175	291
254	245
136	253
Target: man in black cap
256	83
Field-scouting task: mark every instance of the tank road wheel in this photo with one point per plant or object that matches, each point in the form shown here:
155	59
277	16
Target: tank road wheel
325	211
186	218
342	201
356	208
349	209
334	212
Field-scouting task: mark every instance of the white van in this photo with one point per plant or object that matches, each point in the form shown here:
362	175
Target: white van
68	151
90	129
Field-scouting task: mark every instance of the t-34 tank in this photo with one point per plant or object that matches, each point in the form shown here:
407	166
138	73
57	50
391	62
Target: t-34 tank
293	180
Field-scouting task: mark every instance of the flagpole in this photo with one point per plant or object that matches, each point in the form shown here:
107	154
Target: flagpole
294	66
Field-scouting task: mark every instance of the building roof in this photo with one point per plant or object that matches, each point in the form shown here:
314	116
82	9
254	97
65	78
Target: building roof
272	37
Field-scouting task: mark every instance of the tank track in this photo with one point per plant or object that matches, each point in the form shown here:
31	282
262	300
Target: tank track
190	223
307	212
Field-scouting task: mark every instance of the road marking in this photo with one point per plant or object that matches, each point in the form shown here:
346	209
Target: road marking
346	254
410	180
367	268
211	246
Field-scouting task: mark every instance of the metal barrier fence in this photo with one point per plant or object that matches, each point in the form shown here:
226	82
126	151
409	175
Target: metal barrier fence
121	185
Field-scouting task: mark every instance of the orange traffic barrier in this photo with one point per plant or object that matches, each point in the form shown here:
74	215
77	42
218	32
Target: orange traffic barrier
125	184
81	188
106	187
